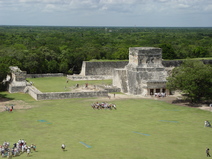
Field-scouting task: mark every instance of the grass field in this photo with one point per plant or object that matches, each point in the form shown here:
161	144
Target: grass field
59	84
138	129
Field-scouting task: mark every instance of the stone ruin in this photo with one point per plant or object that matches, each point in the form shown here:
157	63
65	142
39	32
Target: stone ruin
144	74
18	83
17	80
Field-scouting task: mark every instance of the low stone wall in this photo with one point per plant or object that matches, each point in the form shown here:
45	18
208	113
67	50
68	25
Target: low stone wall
33	92
109	88
44	75
66	95
16	89
207	62
176	63
37	95
94	77
172	63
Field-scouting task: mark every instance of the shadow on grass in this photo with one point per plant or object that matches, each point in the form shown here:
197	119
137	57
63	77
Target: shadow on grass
188	103
4	97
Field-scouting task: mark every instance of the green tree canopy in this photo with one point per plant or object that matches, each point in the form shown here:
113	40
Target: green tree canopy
4	70
194	79
168	51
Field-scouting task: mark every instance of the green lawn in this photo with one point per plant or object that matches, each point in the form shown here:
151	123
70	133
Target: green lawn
59	84
138	129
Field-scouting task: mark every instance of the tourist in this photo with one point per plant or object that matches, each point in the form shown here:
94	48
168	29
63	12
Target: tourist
207	152
28	151
63	147
33	147
207	124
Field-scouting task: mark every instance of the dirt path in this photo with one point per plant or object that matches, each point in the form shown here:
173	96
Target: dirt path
18	104
168	99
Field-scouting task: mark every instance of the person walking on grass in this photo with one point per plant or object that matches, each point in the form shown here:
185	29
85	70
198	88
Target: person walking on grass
207	152
63	147
28	151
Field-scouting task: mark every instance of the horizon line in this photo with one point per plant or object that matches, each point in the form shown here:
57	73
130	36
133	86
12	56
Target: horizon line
108	26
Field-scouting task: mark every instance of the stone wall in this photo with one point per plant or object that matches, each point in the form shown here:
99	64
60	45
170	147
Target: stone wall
66	95
120	80
101	68
108	88
89	77
44	75
32	91
176	63
207	62
172	63
16	88
38	95
107	68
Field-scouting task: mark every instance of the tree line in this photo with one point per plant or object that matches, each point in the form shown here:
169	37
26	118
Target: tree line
40	49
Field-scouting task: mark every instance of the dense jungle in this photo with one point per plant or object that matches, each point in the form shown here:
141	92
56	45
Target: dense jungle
46	49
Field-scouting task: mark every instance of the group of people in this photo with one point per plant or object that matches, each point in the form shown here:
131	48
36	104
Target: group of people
207	124
160	94
9	109
18	148
103	105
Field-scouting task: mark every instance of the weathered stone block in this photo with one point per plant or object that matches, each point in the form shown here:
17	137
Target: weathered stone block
145	64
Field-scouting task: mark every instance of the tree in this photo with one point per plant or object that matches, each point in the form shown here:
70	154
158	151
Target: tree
168	51
121	53
194	79
199	52
4	70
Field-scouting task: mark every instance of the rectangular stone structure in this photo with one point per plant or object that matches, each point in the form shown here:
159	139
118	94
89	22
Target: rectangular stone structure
143	72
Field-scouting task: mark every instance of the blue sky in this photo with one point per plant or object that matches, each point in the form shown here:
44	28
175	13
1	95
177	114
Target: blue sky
154	13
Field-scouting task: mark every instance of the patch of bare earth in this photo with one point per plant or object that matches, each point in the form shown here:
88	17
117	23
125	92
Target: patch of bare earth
17	104
172	99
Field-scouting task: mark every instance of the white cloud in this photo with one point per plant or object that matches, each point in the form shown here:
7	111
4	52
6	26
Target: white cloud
208	8
110	5
112	10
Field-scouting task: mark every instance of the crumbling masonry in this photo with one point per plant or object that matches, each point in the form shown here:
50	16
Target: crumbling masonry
144	74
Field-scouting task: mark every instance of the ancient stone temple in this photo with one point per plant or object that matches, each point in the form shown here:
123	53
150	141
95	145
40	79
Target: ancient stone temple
144	74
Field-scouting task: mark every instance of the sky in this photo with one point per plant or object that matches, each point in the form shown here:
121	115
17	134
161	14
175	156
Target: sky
129	13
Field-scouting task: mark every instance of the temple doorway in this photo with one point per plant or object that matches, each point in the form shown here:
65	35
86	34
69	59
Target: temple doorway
157	90
151	91
164	90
